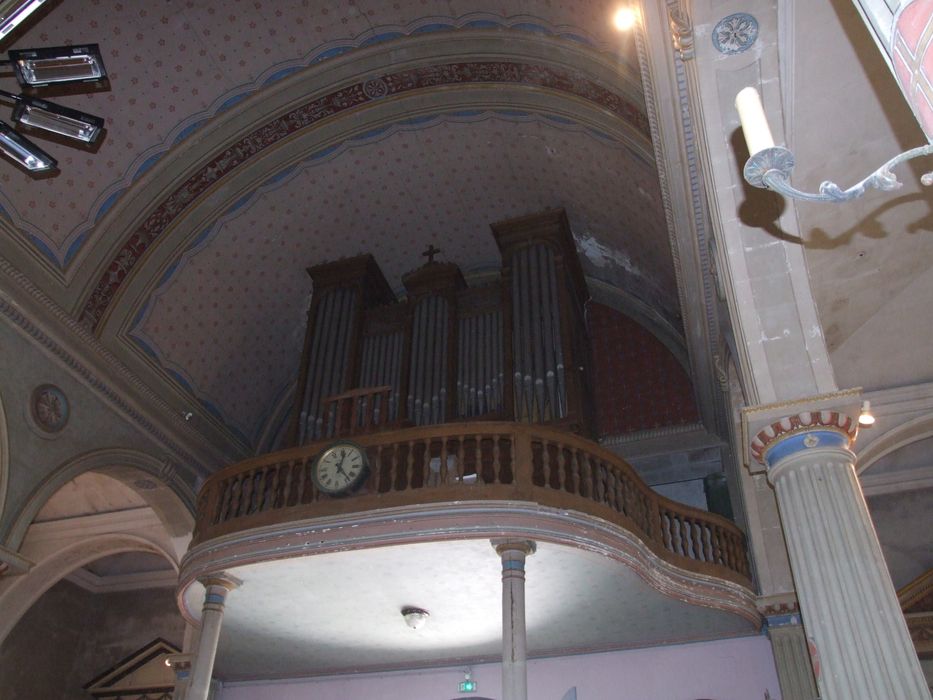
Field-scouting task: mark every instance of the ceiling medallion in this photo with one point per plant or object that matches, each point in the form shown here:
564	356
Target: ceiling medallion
49	408
735	33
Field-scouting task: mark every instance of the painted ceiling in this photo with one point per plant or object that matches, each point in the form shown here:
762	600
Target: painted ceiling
217	312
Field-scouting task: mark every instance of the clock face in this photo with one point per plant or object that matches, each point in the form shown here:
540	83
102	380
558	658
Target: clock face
340	468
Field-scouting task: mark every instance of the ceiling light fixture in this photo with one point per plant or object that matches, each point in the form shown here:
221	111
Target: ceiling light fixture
625	18
34	113
415	617
24	152
58	65
770	166
865	417
35	69
14	12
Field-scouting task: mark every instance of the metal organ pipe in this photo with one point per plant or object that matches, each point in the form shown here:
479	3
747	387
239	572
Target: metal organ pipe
540	390
324	331
327	358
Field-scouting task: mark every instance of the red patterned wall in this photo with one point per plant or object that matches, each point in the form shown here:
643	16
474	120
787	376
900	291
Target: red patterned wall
639	384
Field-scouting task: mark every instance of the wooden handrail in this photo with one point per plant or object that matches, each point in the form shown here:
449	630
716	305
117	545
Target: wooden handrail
474	461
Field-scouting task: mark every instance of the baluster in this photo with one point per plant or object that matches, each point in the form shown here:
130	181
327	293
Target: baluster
245	489
716	544
410	466
546	462
445	477
273	500
478	459
393	468
684	526
561	467
461	457
286	482
496	458
600	484
699	549
667	533
259	487
575	471
226	494
613	489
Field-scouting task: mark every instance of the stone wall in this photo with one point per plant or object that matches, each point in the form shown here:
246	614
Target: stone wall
70	636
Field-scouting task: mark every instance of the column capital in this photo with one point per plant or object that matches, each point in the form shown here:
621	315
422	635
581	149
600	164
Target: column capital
222	580
774	431
503	545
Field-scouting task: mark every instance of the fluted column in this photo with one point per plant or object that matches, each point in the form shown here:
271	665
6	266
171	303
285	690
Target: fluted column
216	589
850	610
514	644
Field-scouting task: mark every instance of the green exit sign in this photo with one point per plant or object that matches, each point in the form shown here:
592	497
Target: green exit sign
468	686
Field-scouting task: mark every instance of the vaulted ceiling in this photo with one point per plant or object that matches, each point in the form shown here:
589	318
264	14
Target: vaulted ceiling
248	140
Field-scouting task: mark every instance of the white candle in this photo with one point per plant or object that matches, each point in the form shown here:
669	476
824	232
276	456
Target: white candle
754	123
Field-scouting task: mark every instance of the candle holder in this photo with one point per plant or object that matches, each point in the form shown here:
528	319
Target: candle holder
770	169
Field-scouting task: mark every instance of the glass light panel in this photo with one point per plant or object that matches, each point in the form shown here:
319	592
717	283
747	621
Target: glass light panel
23	151
58	64
13	13
38	116
42	71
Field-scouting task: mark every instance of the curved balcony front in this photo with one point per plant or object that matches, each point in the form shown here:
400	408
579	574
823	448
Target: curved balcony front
463	462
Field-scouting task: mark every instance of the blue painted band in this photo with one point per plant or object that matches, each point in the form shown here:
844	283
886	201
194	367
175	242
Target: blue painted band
798	442
785	620
181	675
215	598
513	564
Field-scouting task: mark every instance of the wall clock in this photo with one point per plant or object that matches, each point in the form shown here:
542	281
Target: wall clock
341	468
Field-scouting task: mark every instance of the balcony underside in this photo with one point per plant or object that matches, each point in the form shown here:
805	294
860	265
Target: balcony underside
324	596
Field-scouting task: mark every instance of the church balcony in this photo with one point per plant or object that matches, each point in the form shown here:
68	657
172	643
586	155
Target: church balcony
322	579
465	463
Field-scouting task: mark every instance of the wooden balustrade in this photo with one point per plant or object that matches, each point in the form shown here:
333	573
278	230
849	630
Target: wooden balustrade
475	461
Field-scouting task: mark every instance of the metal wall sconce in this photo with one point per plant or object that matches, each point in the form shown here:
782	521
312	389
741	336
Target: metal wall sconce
770	166
41	68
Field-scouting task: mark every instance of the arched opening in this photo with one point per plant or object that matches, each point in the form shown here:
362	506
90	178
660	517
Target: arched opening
55	635
170	498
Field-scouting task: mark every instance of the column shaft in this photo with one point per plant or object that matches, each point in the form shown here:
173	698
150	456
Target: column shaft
215	595
514	641
849	606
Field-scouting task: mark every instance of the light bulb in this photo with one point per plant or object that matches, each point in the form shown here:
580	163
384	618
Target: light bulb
625	18
865	418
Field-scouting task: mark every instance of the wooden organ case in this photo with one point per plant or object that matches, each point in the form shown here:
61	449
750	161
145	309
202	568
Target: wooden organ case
516	349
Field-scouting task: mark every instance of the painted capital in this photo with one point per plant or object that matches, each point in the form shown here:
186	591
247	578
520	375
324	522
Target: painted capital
513	549
774	432
180	664
216	588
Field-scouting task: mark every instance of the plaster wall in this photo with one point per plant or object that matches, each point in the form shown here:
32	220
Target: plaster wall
734	669
71	636
34	454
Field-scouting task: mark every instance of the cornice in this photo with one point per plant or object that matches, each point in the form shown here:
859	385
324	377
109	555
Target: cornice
45	323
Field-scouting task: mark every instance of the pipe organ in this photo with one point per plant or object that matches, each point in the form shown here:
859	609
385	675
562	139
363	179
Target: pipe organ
516	349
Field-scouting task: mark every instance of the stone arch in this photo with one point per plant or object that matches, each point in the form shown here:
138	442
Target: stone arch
171	499
19	593
905	434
